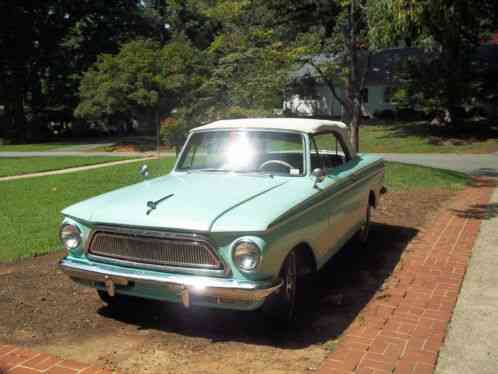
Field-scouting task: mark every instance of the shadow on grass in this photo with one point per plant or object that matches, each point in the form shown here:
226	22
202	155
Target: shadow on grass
485	177
479	211
474	131
337	295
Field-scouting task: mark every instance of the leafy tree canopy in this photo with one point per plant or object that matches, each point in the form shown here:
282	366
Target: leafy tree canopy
143	76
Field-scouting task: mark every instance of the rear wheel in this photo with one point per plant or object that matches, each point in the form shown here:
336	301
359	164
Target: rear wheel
281	305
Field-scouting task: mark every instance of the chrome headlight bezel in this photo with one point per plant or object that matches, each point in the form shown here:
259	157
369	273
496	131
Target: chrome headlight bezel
242	249
70	236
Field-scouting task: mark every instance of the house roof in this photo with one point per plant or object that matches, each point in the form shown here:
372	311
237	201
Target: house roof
384	68
384	65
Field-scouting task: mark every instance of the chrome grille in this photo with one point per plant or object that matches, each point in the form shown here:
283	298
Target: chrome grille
162	251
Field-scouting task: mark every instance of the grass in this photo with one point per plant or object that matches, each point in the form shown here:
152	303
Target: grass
37	147
25	165
400	177
30	217
418	137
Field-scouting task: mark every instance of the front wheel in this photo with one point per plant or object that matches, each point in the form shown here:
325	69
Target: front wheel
281	305
364	231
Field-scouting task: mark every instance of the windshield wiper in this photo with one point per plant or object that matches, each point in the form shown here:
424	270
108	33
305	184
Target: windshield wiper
221	170
212	170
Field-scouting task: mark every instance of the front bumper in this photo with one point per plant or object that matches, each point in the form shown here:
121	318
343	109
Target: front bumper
220	290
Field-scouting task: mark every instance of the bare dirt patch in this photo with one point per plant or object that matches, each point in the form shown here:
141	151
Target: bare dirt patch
42	309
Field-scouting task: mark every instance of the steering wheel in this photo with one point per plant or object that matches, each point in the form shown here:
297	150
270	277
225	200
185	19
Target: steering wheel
278	162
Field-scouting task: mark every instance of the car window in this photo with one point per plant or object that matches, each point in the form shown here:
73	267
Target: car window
245	151
328	151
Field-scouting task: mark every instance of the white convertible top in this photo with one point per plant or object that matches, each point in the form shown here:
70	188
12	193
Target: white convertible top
306	125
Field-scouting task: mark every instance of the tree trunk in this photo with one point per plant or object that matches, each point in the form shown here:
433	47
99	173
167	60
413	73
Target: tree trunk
18	117
355	125
158	133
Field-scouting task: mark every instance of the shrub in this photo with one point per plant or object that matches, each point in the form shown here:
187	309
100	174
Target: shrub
385	114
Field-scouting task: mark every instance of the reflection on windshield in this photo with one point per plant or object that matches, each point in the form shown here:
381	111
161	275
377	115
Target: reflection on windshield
244	151
239	153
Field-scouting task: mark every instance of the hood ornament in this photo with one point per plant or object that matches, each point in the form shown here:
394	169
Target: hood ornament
152	205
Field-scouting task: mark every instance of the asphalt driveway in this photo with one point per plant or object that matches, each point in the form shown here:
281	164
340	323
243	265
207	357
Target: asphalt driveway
477	165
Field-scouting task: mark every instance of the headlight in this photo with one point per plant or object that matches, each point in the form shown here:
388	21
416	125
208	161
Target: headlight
246	255
70	236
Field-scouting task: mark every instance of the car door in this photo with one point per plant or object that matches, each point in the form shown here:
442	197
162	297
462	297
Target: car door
329	153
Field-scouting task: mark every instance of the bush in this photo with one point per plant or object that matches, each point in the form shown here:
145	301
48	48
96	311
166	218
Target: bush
385	114
172	134
410	115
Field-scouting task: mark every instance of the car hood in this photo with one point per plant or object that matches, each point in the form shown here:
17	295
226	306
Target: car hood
192	202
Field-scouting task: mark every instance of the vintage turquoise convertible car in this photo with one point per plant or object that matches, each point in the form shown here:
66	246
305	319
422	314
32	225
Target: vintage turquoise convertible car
250	206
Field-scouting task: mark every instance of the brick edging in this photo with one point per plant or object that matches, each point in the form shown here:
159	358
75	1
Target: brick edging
16	360
403	327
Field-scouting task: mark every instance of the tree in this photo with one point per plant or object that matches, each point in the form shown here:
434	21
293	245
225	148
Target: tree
45	46
249	63
144	79
450	31
338	30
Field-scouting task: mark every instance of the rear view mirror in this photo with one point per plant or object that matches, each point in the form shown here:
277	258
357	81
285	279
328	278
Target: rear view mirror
319	175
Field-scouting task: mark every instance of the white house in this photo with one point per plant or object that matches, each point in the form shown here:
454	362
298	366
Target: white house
314	97
310	96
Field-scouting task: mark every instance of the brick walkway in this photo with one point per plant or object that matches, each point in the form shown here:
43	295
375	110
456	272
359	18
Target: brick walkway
403	327
15	360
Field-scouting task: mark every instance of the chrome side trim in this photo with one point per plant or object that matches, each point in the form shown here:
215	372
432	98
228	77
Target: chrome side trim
184	286
313	202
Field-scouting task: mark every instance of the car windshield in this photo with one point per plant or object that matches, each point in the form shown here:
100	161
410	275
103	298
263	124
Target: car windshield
244	151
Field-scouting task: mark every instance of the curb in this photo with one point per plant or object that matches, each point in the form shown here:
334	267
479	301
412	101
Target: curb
16	360
73	169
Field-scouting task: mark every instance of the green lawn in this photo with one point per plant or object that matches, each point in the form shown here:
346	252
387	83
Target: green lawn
30	208
401	177
38	147
25	165
416	137
30	216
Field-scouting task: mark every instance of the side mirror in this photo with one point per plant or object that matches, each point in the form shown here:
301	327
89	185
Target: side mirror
144	171
319	175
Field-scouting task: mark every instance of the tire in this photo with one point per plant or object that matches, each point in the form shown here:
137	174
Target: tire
114	301
364	232
281	306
